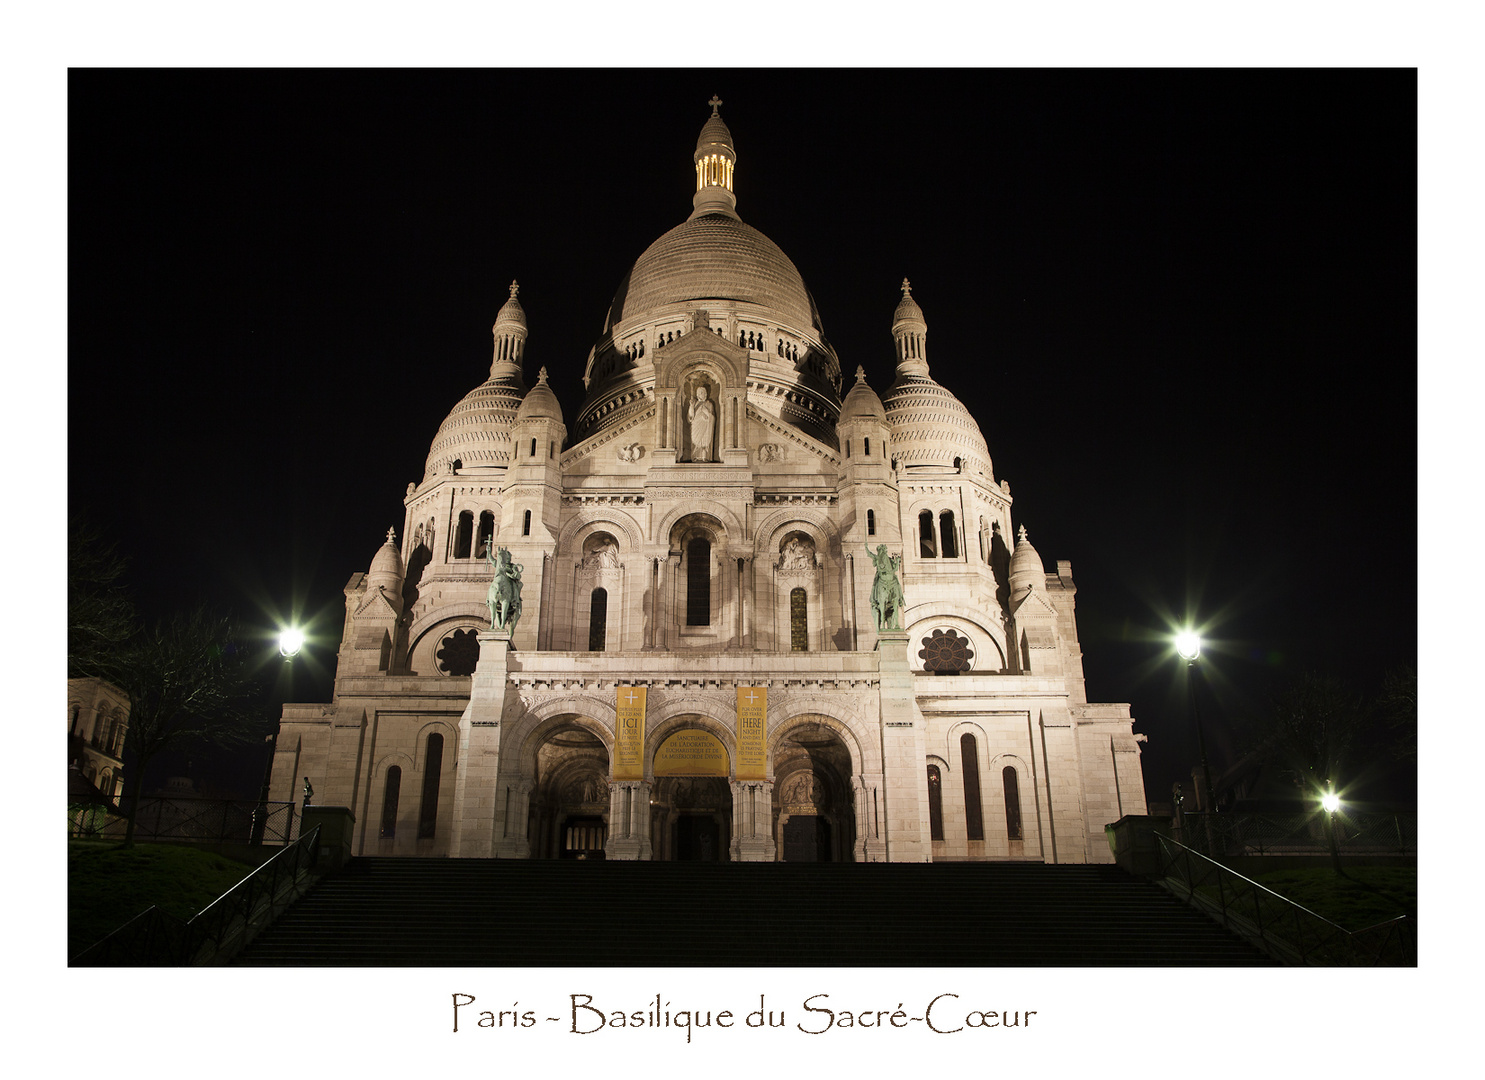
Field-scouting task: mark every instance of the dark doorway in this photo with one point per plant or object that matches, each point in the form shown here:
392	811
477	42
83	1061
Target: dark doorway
806	838
582	838
697	838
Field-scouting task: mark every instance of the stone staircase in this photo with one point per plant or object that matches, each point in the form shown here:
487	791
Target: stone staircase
387	912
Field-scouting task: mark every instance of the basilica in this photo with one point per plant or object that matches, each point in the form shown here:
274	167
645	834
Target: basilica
740	607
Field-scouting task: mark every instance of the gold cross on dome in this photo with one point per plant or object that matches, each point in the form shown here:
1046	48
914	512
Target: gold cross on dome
715	103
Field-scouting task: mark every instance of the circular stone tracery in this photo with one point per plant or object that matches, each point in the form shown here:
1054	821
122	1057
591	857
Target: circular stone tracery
946	652
459	653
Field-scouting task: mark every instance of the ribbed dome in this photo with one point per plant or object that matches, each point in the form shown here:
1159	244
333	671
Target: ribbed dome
477	430
715	257
908	312
540	403
511	311
714	136
930	426
862	402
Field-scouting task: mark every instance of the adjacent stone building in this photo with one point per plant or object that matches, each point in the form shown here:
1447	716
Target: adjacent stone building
695	669
97	722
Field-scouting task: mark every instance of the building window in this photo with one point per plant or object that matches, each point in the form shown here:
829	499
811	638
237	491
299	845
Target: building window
73	724
974	818
871	523
389	802
1012	803
699	582
526	524
597	620
927	547
432	768
533	447
935	804
949	543
459	653
486	534
464	535
799	630
946	653
867	442
113	737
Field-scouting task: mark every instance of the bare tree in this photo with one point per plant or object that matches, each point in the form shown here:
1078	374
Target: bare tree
188	677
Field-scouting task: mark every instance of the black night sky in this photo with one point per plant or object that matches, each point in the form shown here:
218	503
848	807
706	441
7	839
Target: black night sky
1181	304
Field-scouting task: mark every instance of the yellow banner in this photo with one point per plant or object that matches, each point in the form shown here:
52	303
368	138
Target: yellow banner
629	743
752	732
691	753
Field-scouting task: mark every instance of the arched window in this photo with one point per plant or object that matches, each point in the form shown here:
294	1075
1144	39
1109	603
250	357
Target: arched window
867	441
113	737
927	547
974	818
72	725
1012	803
105	782
935	804
799	630
432	770
871	523
464	535
533	447
597	620
949	543
487	534
848	448
390	795
526	524
699	582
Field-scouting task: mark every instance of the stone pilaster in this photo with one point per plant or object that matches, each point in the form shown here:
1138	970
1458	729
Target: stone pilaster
511	819
629	821
904	754
476	785
752	821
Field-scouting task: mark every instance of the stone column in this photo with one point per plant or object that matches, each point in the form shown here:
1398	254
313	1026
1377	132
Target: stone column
752	834
629	821
904	754
476	787
515	843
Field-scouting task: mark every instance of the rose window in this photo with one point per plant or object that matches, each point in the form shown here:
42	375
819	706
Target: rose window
946	653
459	652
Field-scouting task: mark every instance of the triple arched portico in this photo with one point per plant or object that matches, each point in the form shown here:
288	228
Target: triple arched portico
705	788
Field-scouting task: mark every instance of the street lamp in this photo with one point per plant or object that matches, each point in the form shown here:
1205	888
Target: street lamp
1330	802
1188	645
290	641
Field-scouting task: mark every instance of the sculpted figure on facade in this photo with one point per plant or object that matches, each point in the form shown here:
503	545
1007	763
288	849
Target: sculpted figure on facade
703	416
603	557
798	554
504	597
631	453
886	589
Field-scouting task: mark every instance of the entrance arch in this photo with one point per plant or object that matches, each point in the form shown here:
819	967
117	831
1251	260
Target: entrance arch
569	802
691	811
813	808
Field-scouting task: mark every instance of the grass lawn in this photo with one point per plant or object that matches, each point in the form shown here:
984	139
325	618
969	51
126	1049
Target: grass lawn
108	885
1362	897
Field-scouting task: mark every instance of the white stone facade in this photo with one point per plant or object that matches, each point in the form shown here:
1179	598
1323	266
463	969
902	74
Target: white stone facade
693	549
97	724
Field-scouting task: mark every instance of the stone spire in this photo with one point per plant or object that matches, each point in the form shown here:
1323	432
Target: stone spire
715	158
910	332
510	336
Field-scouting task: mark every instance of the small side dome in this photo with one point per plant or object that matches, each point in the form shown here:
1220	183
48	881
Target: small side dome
1026	569
862	403
540	403
388	559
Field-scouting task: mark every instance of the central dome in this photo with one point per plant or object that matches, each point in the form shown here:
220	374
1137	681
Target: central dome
714	257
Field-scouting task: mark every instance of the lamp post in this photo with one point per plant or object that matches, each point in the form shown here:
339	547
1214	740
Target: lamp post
1330	802
1188	645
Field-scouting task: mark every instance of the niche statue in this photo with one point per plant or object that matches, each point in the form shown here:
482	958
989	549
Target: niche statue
703	416
504	597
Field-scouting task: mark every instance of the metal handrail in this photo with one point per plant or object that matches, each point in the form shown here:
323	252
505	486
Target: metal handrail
217	932
1287	931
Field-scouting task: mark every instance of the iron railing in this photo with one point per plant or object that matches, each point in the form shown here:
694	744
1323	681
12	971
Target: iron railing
1360	833
214	935
1283	929
186	820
